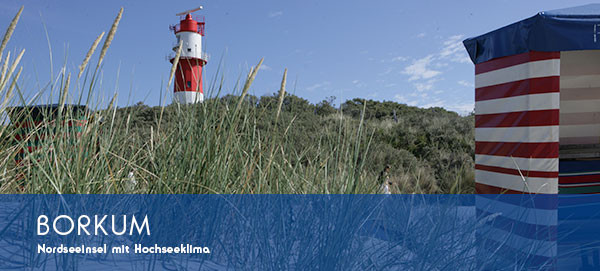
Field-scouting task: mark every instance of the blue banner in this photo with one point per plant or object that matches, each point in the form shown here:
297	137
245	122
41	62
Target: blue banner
299	232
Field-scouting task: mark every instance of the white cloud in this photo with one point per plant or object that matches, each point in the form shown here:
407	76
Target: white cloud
401	99
435	103
462	108
318	85
264	67
451	45
425	73
358	83
441	64
419	69
423	86
421	35
454	51
394	59
274	14
465	83
424	100
399	59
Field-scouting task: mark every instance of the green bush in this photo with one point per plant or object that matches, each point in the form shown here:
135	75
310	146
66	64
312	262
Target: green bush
235	143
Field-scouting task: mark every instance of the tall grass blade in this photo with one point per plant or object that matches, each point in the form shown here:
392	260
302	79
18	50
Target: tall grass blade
248	83
12	69
175	63
4	67
63	95
281	95
9	31
9	93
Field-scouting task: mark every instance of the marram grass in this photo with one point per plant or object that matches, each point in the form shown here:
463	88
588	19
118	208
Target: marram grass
219	146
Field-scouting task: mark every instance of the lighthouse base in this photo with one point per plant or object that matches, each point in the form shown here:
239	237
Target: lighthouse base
188	97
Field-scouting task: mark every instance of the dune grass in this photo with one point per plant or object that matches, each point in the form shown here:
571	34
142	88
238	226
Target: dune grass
219	146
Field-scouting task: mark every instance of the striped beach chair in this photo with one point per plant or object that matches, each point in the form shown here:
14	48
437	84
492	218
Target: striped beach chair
537	131
34	124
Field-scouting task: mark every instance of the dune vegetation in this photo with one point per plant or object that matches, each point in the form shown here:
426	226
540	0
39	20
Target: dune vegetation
231	143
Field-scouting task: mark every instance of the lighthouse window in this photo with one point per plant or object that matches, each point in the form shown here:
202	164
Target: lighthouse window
189	84
189	49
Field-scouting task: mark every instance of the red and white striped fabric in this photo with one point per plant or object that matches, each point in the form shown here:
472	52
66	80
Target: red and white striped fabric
517	101
517	230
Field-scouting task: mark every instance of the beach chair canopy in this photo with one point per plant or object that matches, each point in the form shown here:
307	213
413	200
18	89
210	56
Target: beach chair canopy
38	112
576	28
537	99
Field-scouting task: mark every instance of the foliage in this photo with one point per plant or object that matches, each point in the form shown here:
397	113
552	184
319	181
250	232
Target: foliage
235	143
427	150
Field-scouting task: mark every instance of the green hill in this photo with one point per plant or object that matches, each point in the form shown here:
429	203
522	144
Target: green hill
427	150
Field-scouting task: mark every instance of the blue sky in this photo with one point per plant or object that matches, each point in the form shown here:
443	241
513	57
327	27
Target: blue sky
403	51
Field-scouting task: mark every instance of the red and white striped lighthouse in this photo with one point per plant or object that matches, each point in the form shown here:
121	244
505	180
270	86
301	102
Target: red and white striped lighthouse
188	76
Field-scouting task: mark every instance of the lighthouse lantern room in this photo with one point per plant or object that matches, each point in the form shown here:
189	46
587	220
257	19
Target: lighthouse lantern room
188	76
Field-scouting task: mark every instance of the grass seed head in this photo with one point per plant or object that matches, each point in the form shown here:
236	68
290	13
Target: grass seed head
4	67
109	38
10	30
281	94
251	76
63	95
89	54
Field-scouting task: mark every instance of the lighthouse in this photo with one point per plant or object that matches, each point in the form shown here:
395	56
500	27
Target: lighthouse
188	75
